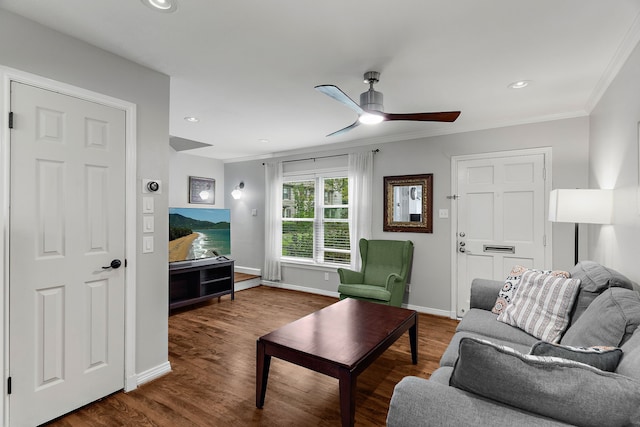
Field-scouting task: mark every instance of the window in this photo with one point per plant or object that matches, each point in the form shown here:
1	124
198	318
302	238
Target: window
315	219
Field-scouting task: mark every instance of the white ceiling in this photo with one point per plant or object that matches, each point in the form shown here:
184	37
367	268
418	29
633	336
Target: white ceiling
247	68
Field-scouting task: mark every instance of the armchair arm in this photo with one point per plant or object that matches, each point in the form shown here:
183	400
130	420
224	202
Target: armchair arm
392	279
350	276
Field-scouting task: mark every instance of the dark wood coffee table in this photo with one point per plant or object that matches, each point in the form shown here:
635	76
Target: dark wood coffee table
341	341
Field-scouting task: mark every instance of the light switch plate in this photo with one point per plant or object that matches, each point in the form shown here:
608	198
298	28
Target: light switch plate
147	205
443	213
147	244
147	224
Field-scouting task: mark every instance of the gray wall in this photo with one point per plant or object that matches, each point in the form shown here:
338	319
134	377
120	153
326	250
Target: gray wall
30	47
613	160
431	278
182	166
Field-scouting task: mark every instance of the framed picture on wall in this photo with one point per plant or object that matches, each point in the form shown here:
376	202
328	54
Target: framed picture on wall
202	190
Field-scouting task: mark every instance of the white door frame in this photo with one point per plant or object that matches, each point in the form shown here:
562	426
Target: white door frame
548	257
7	75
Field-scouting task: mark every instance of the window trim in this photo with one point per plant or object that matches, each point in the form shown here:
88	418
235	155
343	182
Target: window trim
318	176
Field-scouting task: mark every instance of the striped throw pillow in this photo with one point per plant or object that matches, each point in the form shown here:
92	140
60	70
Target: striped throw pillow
542	305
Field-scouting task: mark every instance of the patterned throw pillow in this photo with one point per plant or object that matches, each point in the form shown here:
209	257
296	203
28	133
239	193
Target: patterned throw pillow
542	305
511	285
601	357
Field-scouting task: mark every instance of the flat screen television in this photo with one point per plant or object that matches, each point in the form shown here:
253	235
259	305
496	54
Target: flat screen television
197	233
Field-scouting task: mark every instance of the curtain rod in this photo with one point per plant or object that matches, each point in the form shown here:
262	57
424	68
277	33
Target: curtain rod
377	150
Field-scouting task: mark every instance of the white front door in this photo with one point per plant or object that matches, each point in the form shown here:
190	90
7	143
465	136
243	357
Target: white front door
67	213
501	218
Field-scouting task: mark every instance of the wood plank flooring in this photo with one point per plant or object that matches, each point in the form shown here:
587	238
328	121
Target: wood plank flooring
212	350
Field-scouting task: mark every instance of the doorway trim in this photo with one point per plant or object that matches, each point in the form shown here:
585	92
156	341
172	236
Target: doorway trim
7	75
548	257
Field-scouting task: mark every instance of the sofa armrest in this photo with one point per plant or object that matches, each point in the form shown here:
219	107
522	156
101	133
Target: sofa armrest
484	293
418	402
350	276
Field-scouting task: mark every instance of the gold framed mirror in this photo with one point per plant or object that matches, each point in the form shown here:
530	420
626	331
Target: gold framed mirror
408	203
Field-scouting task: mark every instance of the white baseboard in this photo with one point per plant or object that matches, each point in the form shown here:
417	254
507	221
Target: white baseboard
247	284
248	270
419	309
153	373
300	288
429	310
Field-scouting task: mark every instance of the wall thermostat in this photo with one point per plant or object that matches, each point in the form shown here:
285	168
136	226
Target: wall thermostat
151	186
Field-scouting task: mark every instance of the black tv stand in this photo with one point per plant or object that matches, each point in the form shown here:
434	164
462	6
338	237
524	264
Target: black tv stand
191	282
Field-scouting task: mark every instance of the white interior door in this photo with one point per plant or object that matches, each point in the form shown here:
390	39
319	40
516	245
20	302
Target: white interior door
501	218
66	311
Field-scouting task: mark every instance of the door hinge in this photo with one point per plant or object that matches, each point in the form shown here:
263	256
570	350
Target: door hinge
9	385
11	120
544	240
125	263
544	174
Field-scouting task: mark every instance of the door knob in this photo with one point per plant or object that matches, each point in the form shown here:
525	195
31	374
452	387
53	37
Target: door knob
116	263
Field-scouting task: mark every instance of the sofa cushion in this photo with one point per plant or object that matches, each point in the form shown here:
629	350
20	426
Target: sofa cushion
450	355
510	286
485	323
594	279
565	390
542	305
604	358
609	320
630	363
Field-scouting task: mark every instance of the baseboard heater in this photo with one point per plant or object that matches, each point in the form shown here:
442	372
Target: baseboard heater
499	249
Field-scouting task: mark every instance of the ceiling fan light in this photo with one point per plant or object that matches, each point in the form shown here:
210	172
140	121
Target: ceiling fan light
370	119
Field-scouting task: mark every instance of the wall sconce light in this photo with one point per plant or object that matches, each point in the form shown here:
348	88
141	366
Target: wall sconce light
237	192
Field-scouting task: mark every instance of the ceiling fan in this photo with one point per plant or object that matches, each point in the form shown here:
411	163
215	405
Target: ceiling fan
371	109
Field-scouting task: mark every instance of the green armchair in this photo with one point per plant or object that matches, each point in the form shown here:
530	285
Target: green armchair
385	267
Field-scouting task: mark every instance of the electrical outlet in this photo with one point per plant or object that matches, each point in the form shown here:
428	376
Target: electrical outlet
326	276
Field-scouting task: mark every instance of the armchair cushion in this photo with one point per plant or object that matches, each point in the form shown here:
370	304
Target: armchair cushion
365	291
561	389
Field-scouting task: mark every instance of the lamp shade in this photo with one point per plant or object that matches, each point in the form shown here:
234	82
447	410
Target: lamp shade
585	206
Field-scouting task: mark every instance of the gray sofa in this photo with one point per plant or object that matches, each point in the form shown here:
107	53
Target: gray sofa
480	382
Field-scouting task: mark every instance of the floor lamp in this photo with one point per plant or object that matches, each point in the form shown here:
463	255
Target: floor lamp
584	206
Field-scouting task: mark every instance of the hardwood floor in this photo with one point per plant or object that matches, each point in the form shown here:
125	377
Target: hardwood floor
212	350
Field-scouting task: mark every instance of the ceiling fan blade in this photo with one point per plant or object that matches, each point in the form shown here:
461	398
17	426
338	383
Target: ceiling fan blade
446	116
344	130
340	96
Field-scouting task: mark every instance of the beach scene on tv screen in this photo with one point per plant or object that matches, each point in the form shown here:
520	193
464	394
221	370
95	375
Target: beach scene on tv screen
198	233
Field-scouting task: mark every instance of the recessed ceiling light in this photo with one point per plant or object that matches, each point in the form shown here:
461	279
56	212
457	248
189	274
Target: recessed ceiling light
167	6
192	119
263	140
520	84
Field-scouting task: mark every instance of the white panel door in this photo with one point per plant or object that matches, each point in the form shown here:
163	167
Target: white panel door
500	219
66	345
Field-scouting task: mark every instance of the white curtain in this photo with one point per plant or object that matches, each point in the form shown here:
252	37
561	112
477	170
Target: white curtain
273	221
360	201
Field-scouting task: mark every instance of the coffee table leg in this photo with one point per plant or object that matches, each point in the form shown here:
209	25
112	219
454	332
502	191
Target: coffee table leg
263	361
413	337
347	397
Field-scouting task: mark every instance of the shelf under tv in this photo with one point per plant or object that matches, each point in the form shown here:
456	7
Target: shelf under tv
191	282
